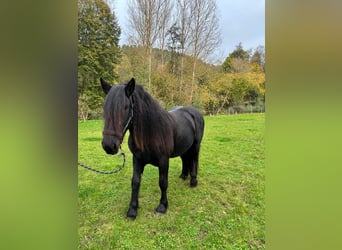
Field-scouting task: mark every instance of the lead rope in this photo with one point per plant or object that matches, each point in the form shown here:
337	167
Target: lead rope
122	154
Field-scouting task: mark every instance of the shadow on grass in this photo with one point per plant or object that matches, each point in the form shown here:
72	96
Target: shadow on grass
222	139
92	139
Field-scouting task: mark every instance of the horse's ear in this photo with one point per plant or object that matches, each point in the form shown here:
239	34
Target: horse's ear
129	89
105	86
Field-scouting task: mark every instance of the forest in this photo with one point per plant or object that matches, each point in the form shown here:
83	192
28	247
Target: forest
168	51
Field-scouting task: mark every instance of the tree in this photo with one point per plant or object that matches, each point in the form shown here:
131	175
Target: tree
98	50
145	19
239	89
258	58
239	52
136	56
174	44
164	23
183	17
204	33
237	61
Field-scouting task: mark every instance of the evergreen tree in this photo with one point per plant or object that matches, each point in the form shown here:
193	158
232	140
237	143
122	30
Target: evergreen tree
174	45
240	53
237	61
98	49
258	58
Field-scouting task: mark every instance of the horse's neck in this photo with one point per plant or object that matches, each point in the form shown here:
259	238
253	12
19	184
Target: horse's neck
157	116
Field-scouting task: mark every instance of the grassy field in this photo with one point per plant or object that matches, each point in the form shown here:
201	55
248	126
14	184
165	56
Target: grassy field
225	211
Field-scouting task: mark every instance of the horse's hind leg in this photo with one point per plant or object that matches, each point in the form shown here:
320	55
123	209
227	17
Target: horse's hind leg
190	164
186	162
194	166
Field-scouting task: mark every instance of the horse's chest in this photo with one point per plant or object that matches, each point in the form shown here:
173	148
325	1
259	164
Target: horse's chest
145	157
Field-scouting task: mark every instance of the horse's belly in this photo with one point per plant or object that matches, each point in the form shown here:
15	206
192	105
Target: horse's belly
183	131
182	144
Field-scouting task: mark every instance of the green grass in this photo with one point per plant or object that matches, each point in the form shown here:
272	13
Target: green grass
226	209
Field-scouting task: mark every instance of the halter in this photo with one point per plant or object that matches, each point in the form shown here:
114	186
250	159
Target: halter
127	125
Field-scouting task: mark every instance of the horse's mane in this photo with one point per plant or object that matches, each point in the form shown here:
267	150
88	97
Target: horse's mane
152	125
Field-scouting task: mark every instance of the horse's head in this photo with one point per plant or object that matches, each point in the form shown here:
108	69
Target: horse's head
118	114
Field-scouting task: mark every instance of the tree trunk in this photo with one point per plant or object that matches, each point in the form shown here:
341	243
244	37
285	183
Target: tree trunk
193	80
149	67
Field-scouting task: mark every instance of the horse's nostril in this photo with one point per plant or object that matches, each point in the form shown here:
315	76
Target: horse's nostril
109	150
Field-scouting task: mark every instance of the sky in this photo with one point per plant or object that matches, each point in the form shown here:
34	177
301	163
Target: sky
240	21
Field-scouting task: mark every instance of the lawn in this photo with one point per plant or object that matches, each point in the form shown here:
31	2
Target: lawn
226	209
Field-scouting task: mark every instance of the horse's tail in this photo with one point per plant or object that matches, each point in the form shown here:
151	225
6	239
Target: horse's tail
199	131
199	124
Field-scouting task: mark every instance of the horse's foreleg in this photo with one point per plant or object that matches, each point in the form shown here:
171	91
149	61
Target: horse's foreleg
136	179
163	183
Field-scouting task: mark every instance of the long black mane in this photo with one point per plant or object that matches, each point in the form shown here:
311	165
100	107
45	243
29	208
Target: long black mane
152	125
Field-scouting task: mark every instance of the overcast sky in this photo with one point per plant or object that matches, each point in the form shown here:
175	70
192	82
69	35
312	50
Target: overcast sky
240	21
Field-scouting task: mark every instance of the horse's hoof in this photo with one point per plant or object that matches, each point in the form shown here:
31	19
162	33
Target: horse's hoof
193	182
161	209
132	213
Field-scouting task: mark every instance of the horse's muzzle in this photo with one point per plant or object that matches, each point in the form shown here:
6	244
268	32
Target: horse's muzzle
111	149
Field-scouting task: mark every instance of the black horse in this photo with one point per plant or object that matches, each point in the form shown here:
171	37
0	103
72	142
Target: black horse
155	135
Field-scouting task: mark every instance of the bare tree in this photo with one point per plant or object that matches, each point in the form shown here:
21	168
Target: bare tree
145	18
204	32
149	21
183	16
165	15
